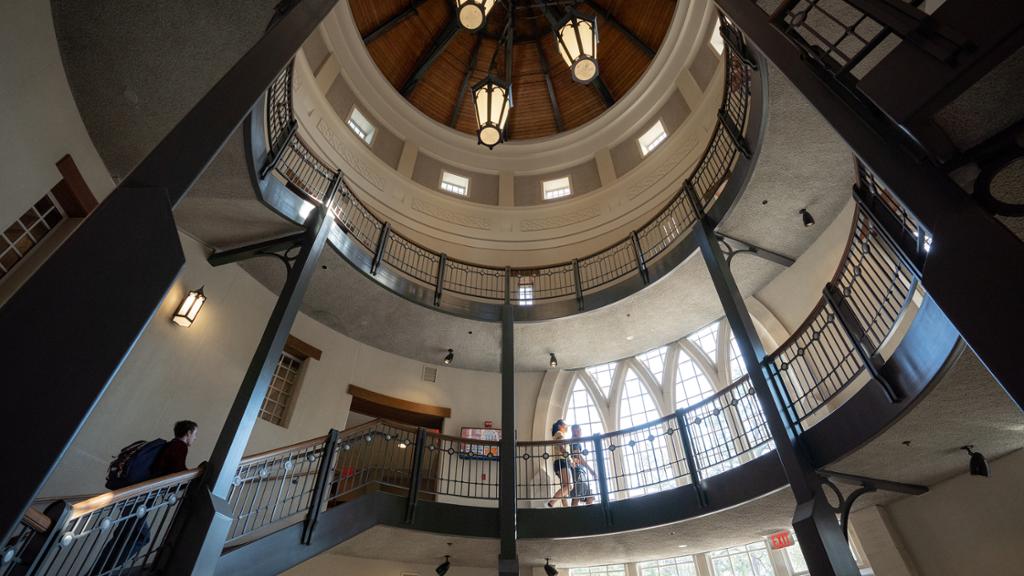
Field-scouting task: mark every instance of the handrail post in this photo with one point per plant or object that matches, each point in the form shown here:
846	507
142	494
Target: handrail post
602	478
577	283
638	251
323	476
855	332
691	461
415	475
382	244
733	131
508	284
275	155
41	542
442	265
691	193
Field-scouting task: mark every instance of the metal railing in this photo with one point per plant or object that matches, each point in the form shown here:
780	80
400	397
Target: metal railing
306	173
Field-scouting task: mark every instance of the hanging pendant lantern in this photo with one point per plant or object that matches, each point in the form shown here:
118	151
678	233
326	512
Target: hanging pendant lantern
473	13
492	99
577	43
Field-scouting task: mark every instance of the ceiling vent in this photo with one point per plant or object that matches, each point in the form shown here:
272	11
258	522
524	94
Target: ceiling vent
429	374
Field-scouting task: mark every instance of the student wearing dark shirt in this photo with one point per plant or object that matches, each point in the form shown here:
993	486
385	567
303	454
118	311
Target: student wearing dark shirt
133	533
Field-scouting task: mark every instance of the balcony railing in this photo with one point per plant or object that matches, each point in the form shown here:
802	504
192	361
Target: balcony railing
437	275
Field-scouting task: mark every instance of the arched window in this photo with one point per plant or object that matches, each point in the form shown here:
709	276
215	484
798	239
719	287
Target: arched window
691	384
643	453
707	340
636	406
602	376
654	360
737	367
582	409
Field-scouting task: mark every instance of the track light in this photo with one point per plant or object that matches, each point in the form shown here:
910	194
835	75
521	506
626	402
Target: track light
553	362
549	569
449	358
979	466
808	219
442	568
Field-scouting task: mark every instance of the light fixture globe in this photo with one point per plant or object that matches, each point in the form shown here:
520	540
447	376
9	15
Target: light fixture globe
473	13
492	99
577	43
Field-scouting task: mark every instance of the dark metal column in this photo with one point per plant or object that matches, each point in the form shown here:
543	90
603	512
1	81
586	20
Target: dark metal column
82	311
508	558
971	271
200	532
821	538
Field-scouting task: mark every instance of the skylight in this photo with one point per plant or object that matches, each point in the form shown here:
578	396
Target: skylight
653	138
558	188
454	183
361	126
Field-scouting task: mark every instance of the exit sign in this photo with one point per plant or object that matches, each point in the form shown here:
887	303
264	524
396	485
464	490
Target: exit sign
781	540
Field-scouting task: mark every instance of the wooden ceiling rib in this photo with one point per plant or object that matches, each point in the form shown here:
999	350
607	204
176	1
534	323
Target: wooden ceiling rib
413	44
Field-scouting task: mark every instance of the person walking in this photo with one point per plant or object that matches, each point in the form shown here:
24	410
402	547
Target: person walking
581	490
560	453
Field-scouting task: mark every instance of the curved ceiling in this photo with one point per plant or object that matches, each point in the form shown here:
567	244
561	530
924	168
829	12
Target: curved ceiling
427	57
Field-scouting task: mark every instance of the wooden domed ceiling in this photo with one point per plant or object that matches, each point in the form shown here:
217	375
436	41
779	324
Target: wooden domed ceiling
423	52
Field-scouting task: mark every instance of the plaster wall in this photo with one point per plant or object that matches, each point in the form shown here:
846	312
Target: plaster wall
386	145
626	155
175	373
40	122
966	524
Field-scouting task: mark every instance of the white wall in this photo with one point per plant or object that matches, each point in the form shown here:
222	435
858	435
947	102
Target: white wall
175	373
40	122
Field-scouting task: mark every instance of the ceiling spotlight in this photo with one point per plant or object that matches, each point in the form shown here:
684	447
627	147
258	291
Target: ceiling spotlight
473	13
442	568
549	569
979	466
808	219
449	358
553	362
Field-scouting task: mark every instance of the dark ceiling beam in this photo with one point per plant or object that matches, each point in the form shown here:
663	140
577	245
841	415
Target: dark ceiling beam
607	16
457	107
602	91
551	89
393	21
437	47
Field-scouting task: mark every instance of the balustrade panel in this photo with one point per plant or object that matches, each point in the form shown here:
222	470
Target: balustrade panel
456	469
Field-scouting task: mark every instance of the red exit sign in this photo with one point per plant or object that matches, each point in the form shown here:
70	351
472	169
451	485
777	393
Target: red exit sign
781	540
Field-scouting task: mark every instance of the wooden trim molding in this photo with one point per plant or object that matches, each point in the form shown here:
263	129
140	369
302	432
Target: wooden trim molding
301	349
72	192
398	403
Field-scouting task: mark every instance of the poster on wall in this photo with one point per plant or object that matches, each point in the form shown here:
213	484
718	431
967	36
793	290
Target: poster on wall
477	450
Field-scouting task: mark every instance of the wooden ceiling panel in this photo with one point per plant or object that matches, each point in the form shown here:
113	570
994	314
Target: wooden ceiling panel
405	46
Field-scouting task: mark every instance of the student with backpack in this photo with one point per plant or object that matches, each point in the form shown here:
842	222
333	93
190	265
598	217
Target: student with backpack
138	462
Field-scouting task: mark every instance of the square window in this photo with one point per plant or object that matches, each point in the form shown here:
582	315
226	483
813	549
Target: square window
454	183
653	138
361	126
525	292
557	188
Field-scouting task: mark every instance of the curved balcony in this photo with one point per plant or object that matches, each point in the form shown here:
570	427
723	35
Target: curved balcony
288	174
866	353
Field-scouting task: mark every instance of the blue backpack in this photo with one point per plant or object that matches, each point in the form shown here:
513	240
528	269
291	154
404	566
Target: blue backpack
134	463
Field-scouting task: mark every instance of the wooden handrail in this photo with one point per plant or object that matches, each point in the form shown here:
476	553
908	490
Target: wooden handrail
36	520
107	498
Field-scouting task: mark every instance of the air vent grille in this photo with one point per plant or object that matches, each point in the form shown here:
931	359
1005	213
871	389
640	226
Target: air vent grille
429	374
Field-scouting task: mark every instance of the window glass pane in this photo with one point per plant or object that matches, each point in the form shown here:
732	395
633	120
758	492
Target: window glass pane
558	188
281	392
737	367
582	410
362	127
636	405
692	385
654	360
707	340
454	183
602	375
651	139
612	570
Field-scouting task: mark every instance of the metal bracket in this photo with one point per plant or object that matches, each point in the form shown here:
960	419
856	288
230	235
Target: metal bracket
734	246
865	485
284	249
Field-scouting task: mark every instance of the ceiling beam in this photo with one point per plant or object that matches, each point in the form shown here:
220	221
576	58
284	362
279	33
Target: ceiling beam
607	16
602	91
457	107
437	47
551	89
393	21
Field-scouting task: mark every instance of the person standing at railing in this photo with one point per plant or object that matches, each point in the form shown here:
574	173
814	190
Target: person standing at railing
133	533
581	491
561	465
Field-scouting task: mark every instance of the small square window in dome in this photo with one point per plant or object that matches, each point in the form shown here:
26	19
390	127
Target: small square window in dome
361	125
653	138
557	188
454	183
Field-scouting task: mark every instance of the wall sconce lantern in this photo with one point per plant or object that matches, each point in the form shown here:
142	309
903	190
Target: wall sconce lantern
577	43
189	308
491	100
